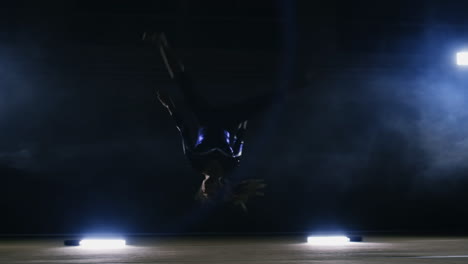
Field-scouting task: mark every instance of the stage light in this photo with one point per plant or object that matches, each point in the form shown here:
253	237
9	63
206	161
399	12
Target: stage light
462	58
102	243
327	240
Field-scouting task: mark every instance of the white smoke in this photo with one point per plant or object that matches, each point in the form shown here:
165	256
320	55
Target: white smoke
444	124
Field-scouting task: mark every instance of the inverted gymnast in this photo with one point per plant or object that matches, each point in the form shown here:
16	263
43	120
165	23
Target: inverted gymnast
214	137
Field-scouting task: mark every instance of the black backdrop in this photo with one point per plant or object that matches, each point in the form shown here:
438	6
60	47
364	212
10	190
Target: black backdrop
370	135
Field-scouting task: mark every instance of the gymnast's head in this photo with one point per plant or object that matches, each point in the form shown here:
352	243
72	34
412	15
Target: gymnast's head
213	180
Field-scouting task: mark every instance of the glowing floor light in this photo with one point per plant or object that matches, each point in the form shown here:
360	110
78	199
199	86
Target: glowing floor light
462	58
102	243
327	240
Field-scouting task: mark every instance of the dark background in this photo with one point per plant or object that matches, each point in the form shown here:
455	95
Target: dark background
371	133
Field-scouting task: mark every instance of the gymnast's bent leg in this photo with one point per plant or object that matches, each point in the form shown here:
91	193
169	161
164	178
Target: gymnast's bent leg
176	70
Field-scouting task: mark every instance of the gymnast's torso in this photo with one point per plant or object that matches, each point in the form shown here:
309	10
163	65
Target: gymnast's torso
213	143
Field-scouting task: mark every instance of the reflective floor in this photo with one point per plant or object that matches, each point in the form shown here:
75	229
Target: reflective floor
241	250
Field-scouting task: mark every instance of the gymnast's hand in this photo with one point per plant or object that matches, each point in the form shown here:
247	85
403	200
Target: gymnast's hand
245	190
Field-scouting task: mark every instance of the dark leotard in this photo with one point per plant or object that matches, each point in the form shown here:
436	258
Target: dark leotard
213	143
219	131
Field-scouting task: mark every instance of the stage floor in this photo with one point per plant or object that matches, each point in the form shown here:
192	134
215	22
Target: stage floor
219	250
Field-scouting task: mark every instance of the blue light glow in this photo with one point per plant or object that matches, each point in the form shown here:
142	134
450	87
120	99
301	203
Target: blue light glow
227	135
201	136
200	139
